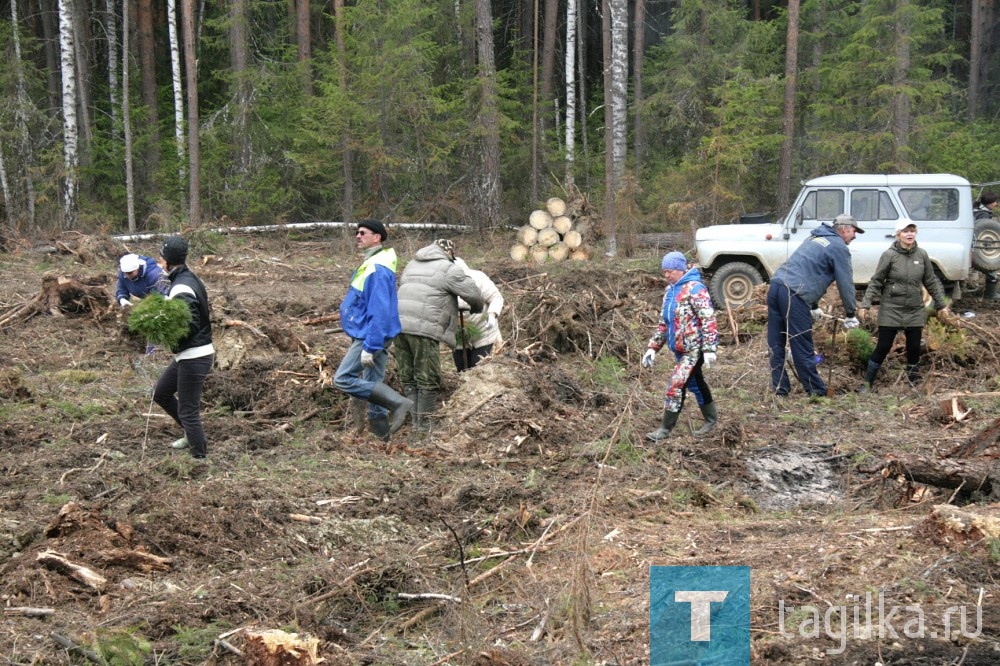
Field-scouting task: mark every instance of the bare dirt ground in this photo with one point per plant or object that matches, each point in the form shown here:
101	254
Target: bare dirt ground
535	508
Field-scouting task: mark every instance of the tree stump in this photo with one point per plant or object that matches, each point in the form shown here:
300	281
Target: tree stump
278	648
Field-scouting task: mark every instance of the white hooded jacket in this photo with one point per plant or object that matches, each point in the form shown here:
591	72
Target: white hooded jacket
485	322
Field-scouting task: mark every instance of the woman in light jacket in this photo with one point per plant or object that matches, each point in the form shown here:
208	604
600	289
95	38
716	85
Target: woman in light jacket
897	284
486	330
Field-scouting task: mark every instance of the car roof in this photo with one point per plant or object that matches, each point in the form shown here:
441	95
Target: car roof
888	180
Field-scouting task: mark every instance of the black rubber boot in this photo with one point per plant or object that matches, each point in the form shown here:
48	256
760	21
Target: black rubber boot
426	406
913	373
711	419
379	426
990	289
666	426
870	375
398	406
411	392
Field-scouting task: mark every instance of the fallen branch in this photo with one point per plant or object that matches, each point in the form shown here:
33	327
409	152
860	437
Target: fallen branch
72	646
27	611
302	518
322	319
428	595
233	323
77	572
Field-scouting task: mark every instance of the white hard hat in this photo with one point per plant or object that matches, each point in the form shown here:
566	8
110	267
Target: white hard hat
129	263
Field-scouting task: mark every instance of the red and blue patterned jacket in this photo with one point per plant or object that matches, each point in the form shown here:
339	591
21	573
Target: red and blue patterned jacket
688	318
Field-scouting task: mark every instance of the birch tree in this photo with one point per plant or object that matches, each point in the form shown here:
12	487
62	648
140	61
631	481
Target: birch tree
111	32
5	189
71	139
616	53
175	78
570	72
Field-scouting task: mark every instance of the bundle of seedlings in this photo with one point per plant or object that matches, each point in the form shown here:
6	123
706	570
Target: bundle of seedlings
161	321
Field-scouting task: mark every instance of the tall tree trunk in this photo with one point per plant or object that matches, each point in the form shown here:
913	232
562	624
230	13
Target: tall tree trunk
488	195
977	61
175	78
788	116
111	31
347	209
127	121
581	67
570	73
638	53
83	94
900	79
71	155
534	111
49	11
549	39
194	150
5	190
21	113
146	47
238	58
619	85
303	38
610	188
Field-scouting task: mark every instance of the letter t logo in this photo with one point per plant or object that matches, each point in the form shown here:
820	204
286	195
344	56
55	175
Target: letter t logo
701	610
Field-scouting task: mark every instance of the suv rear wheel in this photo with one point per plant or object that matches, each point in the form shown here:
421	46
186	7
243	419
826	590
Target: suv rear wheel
733	283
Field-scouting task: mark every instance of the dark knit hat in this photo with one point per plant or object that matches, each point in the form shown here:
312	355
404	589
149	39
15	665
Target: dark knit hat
375	227
174	250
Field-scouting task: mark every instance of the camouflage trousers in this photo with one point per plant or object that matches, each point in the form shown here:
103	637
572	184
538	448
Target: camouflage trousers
418	361
687	375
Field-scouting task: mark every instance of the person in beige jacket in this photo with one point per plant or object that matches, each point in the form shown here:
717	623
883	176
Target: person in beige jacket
484	327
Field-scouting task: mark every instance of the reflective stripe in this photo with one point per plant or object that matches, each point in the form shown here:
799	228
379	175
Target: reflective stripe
385	257
178	289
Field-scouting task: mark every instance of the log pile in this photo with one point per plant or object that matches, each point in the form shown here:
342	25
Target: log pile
555	233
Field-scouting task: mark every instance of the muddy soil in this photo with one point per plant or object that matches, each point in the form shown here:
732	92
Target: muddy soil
532	511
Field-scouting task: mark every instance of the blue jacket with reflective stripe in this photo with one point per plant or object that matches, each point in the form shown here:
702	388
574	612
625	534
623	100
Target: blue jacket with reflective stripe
820	260
370	310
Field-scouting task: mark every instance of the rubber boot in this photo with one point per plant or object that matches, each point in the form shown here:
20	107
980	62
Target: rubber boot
990	288
711	419
379	426
666	426
870	375
913	373
181	443
398	406
412	393
426	406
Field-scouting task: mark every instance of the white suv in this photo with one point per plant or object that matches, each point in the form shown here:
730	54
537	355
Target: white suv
740	256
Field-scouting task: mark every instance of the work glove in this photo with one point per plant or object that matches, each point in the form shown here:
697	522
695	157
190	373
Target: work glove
125	303
491	322
710	358
649	358
851	322
367	359
817	314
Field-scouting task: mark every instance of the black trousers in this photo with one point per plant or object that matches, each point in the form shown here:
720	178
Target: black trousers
467	358
178	392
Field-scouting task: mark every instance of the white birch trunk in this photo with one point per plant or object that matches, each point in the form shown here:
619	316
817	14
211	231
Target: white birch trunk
619	85
127	122
5	188
111	28
71	137
175	72
570	88
21	112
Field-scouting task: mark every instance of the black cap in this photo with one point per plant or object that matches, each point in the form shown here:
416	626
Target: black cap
174	250
375	227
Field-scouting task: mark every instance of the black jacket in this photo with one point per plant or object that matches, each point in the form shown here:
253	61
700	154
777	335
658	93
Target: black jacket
185	286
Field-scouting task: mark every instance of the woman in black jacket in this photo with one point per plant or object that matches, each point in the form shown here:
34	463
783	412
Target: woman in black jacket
178	390
983	210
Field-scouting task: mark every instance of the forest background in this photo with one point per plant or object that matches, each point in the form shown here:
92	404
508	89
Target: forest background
145	115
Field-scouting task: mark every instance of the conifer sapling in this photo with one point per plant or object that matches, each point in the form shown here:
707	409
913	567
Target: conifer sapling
160	320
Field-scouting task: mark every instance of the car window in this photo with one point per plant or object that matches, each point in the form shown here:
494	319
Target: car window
823	205
871	205
930	203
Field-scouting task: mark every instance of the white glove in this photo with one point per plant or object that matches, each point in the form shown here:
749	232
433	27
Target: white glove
649	358
817	314
491	322
851	322
710	358
125	302
367	359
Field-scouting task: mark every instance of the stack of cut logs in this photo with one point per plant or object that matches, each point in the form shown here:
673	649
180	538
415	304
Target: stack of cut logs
550	236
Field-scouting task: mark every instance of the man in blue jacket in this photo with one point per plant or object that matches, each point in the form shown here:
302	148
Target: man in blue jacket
369	314
139	276
793	301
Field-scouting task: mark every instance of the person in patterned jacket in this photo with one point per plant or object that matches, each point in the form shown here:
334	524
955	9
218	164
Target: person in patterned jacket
688	329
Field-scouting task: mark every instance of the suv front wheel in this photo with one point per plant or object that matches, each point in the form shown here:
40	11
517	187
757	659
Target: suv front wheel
986	245
733	283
